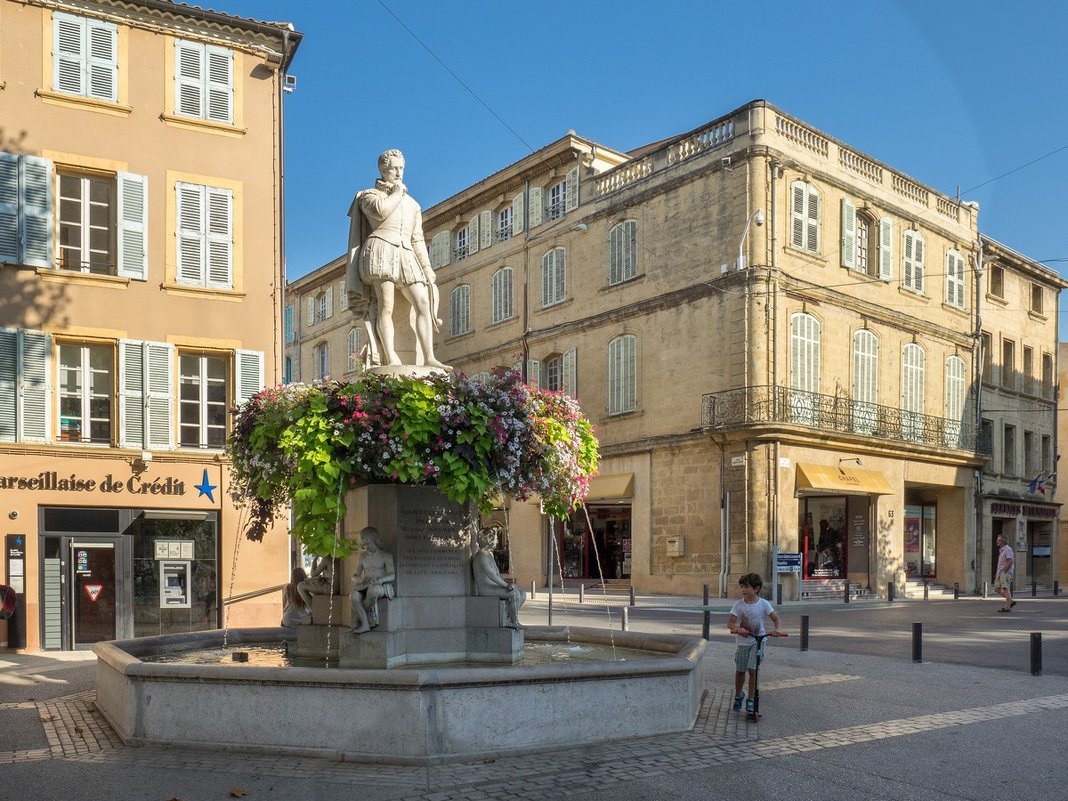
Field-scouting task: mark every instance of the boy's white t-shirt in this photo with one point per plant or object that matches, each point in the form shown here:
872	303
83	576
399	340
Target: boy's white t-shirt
751	617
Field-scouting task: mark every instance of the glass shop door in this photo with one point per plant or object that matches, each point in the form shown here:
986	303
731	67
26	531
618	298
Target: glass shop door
93	603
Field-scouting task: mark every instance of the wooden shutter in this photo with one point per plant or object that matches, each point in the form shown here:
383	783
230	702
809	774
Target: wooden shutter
571	193
219	83
805	353
309	311
190	220
133	226
472	235
159	395
812	221
919	258
9	379
569	379
329	301
849	234
534	373
485	228
188	79
101	60
797	215
342	295
886	249
68	54
622	374
517	214
537	206
132	394
35	357
954	279
35	183
248	374
9	208
220	238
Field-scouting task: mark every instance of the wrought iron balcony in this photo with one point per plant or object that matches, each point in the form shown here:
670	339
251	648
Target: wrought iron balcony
749	406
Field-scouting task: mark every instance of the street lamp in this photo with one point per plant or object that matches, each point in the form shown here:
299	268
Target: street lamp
756	217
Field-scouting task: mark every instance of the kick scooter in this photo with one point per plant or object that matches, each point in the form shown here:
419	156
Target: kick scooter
755	714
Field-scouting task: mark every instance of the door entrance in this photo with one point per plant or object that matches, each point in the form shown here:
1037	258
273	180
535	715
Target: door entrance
93	602
920	541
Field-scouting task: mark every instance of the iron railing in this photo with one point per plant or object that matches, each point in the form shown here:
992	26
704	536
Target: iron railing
738	408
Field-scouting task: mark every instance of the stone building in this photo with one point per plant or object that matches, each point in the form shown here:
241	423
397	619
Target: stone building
782	344
141	240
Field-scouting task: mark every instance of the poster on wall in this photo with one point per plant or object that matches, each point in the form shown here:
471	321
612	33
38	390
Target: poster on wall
912	544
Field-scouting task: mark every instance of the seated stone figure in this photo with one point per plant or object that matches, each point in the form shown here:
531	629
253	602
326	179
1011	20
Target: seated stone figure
488	580
325	579
372	580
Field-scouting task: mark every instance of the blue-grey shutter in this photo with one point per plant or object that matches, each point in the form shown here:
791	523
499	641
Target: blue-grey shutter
9	208
220	238
188	79
101	60
68	54
35	358
219	79
248	374
132	394
35	180
9	381
569	383
159	395
133	226
190	223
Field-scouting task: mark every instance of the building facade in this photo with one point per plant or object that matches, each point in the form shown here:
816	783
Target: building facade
141	241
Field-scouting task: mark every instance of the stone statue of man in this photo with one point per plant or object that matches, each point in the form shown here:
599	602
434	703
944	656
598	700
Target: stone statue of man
488	579
372	580
387	252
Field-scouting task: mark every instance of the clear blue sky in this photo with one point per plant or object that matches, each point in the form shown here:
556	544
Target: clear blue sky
955	94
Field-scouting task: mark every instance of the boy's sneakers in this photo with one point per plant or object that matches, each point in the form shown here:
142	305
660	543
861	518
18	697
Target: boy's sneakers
738	700
750	706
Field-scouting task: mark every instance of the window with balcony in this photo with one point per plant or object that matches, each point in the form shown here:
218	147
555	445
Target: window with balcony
204	81
102	223
553	277
324	304
913	374
955	279
505	218
865	381
912	261
203	390
867	243
501	295
805	217
954	407
205	236
622	374
623	252
1008	364
86	385
85	57
460	310
556	205
463	244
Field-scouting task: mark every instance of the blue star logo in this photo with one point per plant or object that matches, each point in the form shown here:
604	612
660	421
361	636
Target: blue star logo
18	540
206	488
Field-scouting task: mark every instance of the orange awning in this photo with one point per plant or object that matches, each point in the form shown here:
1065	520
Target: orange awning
840	480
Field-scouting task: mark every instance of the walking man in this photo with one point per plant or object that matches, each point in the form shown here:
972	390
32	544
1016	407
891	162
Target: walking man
1003	576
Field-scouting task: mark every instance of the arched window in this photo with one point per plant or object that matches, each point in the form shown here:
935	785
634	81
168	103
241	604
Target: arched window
460	306
501	294
622	252
553	277
865	381
804	367
913	369
622	374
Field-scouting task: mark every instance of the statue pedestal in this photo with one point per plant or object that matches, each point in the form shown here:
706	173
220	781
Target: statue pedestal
434	618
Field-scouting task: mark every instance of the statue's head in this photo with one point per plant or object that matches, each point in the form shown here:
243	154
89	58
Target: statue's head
488	536
390	159
369	536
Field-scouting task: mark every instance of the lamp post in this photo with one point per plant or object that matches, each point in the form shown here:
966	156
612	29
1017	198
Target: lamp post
756	217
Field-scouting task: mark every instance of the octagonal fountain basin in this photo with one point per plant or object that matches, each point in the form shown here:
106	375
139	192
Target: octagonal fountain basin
590	685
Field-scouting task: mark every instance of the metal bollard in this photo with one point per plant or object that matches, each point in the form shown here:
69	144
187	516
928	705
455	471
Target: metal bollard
707	617
626	619
804	632
917	642
550	620
778	594
1034	588
956	590
1036	653
632	597
533	589
890	592
1056	589
582	593
986	589
846	592
926	589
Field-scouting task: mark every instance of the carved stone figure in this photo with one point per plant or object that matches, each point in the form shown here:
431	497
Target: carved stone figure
488	579
325	579
387	252
373	579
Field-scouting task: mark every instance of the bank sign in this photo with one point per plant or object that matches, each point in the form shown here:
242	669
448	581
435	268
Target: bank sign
52	481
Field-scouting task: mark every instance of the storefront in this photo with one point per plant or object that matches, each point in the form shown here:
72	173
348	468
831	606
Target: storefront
595	541
1030	529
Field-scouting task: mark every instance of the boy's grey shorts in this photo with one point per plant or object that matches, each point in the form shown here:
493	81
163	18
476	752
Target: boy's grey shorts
745	658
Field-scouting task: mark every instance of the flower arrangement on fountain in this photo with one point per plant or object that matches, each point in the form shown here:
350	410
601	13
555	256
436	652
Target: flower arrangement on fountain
475	439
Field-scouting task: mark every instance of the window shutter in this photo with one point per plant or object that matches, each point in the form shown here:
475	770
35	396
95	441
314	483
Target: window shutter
534	373
472	235
485	228
191	214
571	194
131	394
68	54
220	245
517	214
849	234
9	376
309	311
102	61
812	229
569	379
35	353
440	249
886	249
133	226
329	301
342	295
220	83
9	208
159	397
536	206
918	262
797	215
188	74
906	261
35	178
248	374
